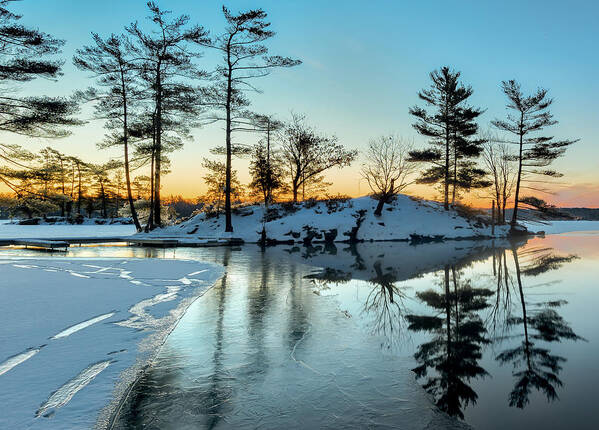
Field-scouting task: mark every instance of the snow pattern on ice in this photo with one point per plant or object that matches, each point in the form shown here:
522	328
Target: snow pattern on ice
76	332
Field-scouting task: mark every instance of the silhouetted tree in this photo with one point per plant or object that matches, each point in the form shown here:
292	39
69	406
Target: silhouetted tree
244	58
266	172
387	168
498	159
307	154
535	152
466	149
25	55
215	180
55	165
449	126
80	169
164	58
114	70
100	174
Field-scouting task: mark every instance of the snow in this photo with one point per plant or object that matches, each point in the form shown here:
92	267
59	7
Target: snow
557	227
62	231
74	333
401	219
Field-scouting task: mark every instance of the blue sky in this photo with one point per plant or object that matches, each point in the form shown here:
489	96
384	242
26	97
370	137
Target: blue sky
364	63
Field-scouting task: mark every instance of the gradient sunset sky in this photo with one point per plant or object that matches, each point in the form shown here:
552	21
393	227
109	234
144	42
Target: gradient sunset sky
363	64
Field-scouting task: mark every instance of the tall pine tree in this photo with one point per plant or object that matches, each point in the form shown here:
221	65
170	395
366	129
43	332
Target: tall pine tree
110	63
449	125
165	61
244	58
535	152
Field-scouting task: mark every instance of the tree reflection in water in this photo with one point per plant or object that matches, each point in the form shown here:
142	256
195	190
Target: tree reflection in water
449	361
260	319
218	392
534	366
463	319
385	302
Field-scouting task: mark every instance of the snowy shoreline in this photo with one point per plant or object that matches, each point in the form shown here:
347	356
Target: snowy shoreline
351	220
98	323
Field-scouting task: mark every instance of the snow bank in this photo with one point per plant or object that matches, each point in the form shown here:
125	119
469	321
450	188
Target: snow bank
53	231
557	227
400	220
73	333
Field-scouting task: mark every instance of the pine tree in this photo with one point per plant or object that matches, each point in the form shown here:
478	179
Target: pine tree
27	54
449	126
164	59
266	171
244	58
466	148
110	63
535	152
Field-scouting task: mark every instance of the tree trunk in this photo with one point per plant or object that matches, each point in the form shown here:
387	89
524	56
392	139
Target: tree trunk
228	221
126	150
455	170
158	151
103	197
268	196
446	185
64	202
379	207
79	190
150	223
517	196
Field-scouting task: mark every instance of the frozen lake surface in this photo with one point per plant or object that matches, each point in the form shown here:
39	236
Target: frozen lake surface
14	231
75	332
487	334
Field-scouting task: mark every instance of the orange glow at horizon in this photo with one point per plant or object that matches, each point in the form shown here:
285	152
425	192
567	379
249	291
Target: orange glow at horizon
348	182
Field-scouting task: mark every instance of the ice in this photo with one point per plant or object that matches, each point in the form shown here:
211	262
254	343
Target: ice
45	231
17	359
64	356
556	227
74	329
64	394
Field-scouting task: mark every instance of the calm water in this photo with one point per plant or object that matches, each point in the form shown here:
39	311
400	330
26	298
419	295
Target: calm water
383	335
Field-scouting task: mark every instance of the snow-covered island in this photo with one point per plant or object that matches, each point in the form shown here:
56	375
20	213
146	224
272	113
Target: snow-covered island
337	220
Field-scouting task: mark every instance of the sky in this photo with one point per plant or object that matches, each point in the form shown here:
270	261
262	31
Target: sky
363	65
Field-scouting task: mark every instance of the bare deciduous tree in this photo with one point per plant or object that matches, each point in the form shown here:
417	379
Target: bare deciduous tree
387	168
499	161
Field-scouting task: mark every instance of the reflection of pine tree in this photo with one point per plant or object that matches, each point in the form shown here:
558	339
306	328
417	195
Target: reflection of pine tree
455	349
539	368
